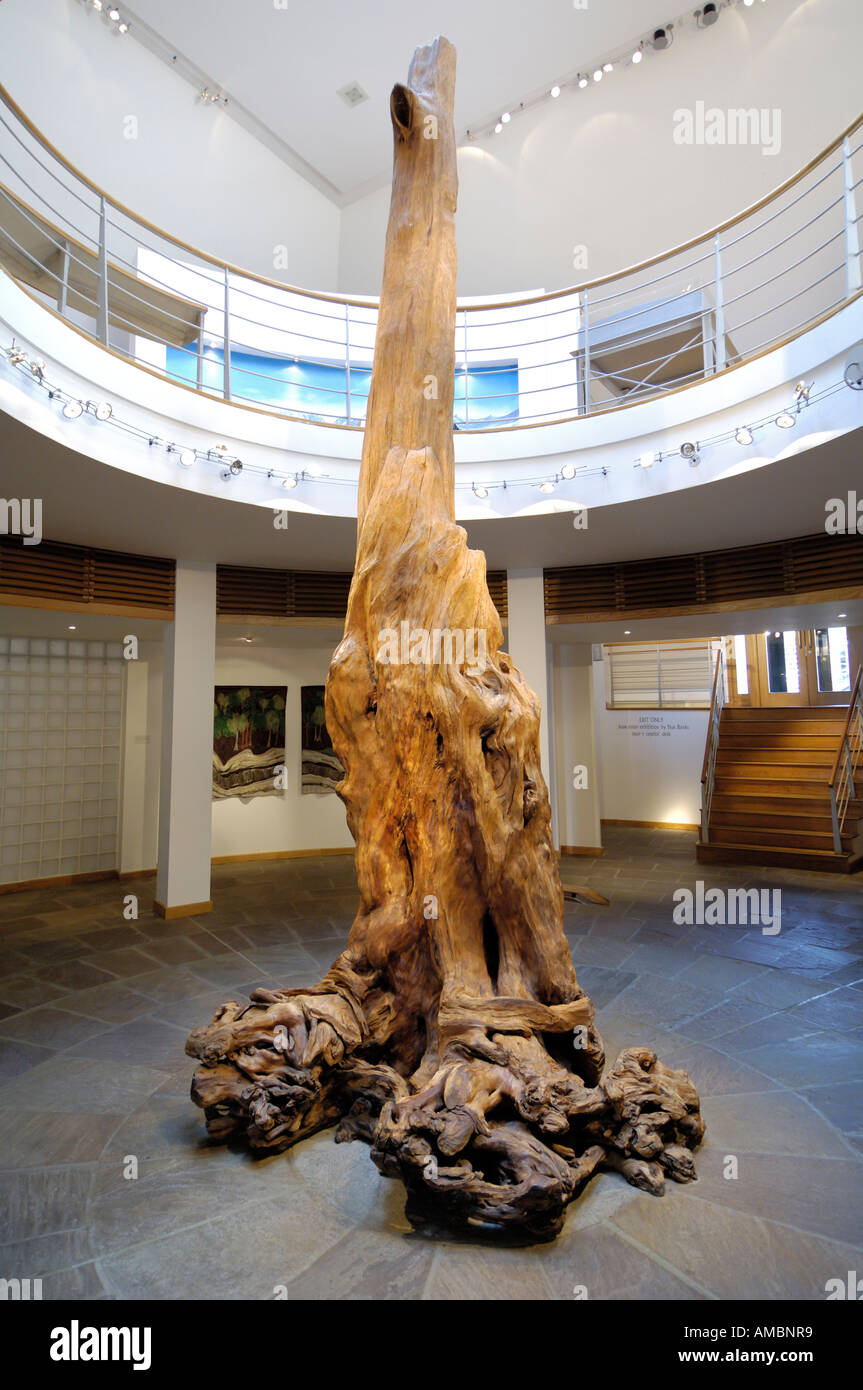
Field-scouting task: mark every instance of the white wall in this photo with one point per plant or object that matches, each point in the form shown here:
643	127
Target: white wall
649	761
600	168
287	820
192	170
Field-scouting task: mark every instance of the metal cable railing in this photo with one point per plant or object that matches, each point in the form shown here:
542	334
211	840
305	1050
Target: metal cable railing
676	319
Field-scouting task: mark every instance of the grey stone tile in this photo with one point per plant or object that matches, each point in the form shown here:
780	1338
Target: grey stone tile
840	1101
32	1140
39	1201
808	1060
17	1058
51	1027
770	1122
69	1084
147	1041
601	1261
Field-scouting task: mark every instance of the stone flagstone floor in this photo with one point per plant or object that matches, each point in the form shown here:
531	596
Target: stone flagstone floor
94	1012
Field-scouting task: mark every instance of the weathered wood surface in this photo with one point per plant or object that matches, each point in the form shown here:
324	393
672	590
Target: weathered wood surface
451	1034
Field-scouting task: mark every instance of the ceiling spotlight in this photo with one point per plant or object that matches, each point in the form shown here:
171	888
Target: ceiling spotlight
853	374
608	67
744	435
555	91
247	639
747	3
662	38
547	487
289	482
627	632
187	457
479	490
123	28
785	420
689	451
71	627
236	467
506	118
568	470
841	615
16	356
314	470
113	14
498	128
72	409
97	4
103	411
647	460
801	391
707	16
597	76
637	56
582	81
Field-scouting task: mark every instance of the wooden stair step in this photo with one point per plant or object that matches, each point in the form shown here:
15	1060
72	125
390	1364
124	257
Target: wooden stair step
782	839
821	860
783	820
816	742
812	713
763	800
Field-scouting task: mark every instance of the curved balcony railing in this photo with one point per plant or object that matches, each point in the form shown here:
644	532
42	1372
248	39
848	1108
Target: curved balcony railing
736	292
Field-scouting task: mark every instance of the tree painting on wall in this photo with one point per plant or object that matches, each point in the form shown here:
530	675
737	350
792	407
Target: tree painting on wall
321	768
248	738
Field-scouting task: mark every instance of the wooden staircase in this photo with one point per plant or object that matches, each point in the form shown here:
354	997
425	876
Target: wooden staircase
771	790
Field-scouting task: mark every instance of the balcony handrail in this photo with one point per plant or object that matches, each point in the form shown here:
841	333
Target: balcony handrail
843	781
649	348
718	700
7	100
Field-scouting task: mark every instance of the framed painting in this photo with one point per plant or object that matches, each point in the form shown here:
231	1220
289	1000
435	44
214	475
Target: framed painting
248	739
321	768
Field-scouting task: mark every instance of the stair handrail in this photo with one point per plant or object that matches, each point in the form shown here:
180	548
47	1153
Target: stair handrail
708	767
848	758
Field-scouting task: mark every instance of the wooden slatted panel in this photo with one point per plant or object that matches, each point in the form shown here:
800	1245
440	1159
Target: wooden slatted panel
144	581
56	573
496	580
319	595
747	572
822	562
243	590
660	583
808	564
583	589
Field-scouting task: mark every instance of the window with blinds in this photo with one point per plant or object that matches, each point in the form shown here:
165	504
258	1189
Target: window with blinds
660	675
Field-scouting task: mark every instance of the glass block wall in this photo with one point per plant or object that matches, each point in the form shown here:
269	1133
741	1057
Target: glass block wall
61	717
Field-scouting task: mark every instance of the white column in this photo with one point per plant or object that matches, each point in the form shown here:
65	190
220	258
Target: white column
527	646
132	805
574	747
185	787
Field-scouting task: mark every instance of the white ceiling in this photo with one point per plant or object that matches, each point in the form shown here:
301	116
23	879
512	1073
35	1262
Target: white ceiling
285	66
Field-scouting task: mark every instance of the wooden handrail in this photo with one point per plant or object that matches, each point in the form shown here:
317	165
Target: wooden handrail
855	696
710	717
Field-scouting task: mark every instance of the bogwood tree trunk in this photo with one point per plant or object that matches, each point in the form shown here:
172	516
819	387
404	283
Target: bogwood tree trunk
451	1034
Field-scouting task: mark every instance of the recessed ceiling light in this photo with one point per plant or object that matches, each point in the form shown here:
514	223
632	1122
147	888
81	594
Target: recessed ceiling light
627	632
841	615
73	628
353	94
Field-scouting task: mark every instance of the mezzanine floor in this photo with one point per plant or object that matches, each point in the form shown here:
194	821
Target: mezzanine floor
94	1012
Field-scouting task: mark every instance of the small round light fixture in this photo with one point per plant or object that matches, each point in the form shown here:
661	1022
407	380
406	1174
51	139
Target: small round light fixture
582	81
661	38
708	15
187	457
647	460
689	450
289	482
479	490
547	487
597	76
744	435
72	409
608	67
568	470
555	91
236	467
785	420
498	128
103	411
637	56
506	117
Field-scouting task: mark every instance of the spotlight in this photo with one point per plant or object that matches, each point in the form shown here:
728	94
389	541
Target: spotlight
608	67
236	467
123	28
689	451
747	3
661	38
637	56
72	409
37	367
288	483
73	627
506	118
744	435
841	615
187	457
16	356
103	411
479	490
314	470
853	374
597	76
555	91
113	14
97	4
547	487
707	16
627	632
498	128
582	81
568	470
785	421
801	391
647	460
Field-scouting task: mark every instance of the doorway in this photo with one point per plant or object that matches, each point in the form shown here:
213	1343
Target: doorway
807	667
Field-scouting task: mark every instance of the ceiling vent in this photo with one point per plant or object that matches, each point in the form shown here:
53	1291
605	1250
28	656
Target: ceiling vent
353	94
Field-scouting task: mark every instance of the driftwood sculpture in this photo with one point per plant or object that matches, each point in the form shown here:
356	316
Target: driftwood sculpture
451	1034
